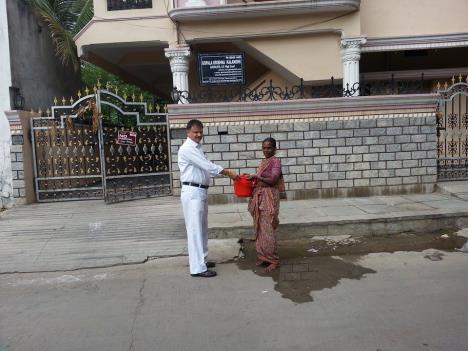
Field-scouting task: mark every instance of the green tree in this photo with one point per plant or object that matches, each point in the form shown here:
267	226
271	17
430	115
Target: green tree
91	74
65	18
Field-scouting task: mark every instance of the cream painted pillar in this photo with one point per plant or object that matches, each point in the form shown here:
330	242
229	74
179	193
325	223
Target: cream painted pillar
179	60
350	56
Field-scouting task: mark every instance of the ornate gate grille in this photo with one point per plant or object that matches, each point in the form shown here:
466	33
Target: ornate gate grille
452	136
80	154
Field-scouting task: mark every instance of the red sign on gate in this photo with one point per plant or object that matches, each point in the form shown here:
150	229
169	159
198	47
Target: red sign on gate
126	137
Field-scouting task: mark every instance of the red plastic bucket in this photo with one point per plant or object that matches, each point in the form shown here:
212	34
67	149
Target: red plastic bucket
243	187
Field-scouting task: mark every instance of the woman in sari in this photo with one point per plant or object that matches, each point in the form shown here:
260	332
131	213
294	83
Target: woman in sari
264	205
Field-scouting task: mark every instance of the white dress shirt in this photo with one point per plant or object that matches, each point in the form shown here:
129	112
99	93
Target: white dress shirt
193	165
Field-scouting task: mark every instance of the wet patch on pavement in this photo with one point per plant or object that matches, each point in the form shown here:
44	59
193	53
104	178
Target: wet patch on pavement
322	262
347	245
434	256
301	272
297	278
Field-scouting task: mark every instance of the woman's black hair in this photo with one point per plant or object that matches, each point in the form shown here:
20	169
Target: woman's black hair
270	140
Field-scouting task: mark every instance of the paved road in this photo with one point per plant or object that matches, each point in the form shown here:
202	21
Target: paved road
393	302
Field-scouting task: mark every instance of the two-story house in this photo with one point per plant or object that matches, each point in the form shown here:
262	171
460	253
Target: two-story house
156	42
348	88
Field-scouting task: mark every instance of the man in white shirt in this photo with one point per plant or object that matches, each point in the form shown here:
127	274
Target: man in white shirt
195	172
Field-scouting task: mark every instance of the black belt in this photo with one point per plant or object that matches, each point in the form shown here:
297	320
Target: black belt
196	185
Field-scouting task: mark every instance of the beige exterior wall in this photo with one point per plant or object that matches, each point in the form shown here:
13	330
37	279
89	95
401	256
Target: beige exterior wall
127	26
311	57
127	31
294	47
265	79
348	25
376	18
291	46
383	18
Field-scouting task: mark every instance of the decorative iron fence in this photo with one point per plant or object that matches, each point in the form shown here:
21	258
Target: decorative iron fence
115	5
394	86
101	146
452	132
270	92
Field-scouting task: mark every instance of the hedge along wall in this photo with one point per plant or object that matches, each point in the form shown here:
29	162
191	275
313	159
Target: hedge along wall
357	146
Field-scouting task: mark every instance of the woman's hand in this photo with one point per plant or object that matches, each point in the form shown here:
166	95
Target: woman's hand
252	176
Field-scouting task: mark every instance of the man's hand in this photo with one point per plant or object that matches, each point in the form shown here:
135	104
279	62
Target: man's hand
230	173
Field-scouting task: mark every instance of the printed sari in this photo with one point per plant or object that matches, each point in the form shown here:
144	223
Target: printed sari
264	208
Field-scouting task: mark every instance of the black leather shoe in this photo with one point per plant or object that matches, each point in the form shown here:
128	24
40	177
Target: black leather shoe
205	274
210	264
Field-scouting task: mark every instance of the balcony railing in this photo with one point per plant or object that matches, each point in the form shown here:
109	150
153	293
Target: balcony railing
197	3
201	10
115	5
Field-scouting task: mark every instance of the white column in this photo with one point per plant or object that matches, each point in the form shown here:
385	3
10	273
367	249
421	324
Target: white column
6	180
350	56
179	61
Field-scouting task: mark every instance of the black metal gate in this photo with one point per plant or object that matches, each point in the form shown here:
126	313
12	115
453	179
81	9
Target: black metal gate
101	146
452	136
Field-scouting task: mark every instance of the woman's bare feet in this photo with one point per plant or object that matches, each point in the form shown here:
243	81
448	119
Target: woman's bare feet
271	267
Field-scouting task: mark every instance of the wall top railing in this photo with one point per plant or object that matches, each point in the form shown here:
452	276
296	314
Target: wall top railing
270	92
260	112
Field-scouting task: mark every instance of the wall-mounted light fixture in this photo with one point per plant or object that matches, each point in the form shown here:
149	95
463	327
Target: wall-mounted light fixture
175	95
17	100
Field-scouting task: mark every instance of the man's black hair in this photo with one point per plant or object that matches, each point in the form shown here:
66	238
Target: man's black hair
194	122
270	140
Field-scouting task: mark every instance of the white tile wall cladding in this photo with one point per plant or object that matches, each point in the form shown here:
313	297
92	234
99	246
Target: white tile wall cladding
394	151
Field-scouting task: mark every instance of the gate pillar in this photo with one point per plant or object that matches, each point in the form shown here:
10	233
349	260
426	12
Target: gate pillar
6	179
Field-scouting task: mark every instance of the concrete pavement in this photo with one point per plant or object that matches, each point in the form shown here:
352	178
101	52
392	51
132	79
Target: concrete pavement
376	215
76	235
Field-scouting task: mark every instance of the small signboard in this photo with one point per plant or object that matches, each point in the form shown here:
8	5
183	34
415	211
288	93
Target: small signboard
221	68
125	137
